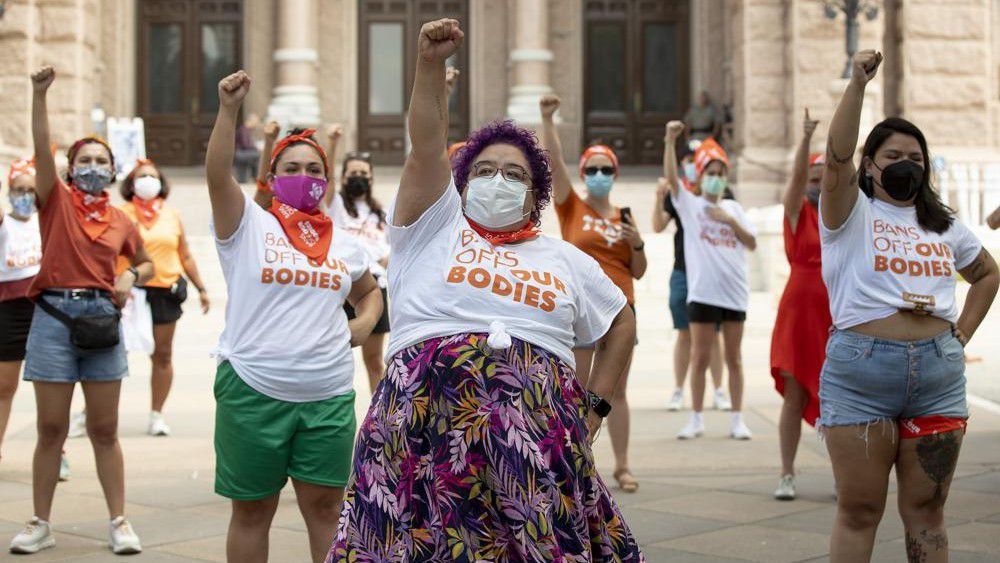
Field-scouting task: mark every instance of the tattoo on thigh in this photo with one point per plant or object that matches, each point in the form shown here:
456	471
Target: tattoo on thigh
938	454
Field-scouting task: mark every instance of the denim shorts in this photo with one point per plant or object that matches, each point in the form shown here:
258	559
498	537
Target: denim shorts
678	299
867	379
51	357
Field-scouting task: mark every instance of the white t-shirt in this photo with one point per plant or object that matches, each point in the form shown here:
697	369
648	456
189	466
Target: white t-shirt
714	258
369	231
880	261
20	248
286	333
445	279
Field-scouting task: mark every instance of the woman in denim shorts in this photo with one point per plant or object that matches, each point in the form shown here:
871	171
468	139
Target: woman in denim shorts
82	238
892	389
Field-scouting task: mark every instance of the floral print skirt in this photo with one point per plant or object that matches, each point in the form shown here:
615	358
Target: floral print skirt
470	454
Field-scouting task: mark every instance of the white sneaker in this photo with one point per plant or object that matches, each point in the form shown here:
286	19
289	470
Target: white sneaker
786	488
36	536
123	537
720	401
158	425
693	429
78	425
676	402
64	468
737	429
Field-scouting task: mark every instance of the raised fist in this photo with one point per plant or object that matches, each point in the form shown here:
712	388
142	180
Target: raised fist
42	78
439	39
865	65
233	89
549	104
674	129
809	125
271	130
334	132
451	75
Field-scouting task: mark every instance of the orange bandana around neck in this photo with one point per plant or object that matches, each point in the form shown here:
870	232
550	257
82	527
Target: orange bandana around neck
310	233
93	212
147	212
497	238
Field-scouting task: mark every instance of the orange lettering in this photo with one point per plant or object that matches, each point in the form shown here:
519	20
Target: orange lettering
548	302
284	276
881	263
267	275
531	296
898	265
456	275
479	278
301	277
501	286
335	282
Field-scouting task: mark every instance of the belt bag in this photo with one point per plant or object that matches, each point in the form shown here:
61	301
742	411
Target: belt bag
87	332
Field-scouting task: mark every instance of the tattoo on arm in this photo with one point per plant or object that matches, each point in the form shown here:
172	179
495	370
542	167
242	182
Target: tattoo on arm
832	156
938	454
978	269
440	108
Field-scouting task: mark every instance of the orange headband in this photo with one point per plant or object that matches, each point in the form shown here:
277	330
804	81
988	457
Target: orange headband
595	150
708	151
817	158
21	167
303	137
75	147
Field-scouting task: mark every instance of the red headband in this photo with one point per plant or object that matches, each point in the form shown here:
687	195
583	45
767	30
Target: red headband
21	167
595	150
75	147
817	158
303	137
708	151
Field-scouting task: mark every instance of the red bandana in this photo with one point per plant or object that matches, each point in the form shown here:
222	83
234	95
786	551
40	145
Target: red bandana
310	233
304	137
497	238
92	211
147	212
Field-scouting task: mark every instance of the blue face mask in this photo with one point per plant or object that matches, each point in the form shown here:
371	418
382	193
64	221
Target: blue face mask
91	179
713	185
599	185
691	172
24	204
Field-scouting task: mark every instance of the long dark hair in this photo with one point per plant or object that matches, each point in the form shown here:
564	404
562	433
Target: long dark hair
932	214
373	204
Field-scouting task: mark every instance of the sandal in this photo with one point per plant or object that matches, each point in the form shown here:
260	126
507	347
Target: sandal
626	482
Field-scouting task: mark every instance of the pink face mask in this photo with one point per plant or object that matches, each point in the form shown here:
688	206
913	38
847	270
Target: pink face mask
299	191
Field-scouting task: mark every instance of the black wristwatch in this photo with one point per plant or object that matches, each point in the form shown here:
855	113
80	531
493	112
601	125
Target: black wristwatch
640	247
135	273
601	407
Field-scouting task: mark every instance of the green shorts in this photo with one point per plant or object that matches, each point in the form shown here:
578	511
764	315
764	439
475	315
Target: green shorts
260	442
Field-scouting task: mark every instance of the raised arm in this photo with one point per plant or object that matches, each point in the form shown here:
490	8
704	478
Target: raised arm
840	186
223	191
660	216
673	132
333	135
427	169
45	163
562	185
796	189
263	196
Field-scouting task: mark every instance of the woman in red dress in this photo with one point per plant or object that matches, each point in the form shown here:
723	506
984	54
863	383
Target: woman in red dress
798	344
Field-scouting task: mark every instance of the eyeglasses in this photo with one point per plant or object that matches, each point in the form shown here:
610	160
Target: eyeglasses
511	172
592	170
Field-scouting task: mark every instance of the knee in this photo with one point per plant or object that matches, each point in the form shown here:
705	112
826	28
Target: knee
253	513
325	507
52	434
7	388
162	357
925	513
103	434
372	358
859	514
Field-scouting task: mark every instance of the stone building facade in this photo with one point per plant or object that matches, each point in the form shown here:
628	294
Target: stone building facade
350	61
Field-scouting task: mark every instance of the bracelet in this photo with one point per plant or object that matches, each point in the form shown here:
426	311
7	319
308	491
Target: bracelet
135	273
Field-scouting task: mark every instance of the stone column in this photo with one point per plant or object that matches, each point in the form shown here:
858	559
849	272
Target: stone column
295	101
530	60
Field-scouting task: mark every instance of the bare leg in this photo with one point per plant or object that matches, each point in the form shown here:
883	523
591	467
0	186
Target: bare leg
249	527
9	372
923	471
320	508
732	335
102	427
163	364
584	361
790	423
715	362
862	456
371	353
702	335
618	428
682	357
52	402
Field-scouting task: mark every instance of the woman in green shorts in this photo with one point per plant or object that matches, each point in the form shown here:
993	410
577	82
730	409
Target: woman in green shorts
284	388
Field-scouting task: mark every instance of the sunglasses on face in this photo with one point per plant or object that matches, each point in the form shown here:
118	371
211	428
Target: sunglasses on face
592	170
358	155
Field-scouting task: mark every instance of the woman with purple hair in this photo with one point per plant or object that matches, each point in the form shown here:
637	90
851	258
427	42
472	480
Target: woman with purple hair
477	444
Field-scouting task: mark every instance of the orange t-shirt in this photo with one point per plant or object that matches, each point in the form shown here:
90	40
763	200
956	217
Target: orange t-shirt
163	244
70	260
600	238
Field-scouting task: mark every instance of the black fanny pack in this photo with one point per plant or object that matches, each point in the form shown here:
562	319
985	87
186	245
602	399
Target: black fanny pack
87	332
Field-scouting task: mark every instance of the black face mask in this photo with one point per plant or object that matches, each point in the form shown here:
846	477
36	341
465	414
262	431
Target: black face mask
901	180
357	186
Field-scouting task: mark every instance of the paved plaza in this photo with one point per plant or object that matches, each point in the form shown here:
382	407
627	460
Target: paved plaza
707	500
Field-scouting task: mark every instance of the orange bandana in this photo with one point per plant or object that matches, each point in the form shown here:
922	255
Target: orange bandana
21	167
595	150
310	233
304	137
92	211
708	151
497	238
147	212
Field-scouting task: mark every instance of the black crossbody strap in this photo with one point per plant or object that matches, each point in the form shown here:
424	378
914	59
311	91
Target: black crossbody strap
59	315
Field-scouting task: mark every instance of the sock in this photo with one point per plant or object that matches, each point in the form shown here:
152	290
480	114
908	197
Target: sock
736	418
696	417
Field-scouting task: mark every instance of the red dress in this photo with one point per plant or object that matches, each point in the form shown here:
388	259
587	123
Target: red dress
798	343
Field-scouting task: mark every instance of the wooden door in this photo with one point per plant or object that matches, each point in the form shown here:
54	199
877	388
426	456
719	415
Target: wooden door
636	74
185	48
387	58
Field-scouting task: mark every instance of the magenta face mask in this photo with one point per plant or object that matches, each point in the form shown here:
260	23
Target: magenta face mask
300	191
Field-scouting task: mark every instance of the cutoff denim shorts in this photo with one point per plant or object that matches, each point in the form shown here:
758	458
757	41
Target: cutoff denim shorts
678	299
52	358
867	379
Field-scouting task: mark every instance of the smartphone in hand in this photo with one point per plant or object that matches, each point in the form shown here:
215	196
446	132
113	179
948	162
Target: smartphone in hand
626	213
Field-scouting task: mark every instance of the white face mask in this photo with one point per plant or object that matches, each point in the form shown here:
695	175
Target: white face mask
147	187
495	202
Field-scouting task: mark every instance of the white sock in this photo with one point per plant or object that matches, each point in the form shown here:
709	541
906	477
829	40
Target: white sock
40	521
696	417
736	418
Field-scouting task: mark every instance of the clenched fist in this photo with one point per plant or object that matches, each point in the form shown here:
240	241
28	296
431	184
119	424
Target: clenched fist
42	78
233	89
439	40
335	132
549	104
865	66
271	130
674	130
